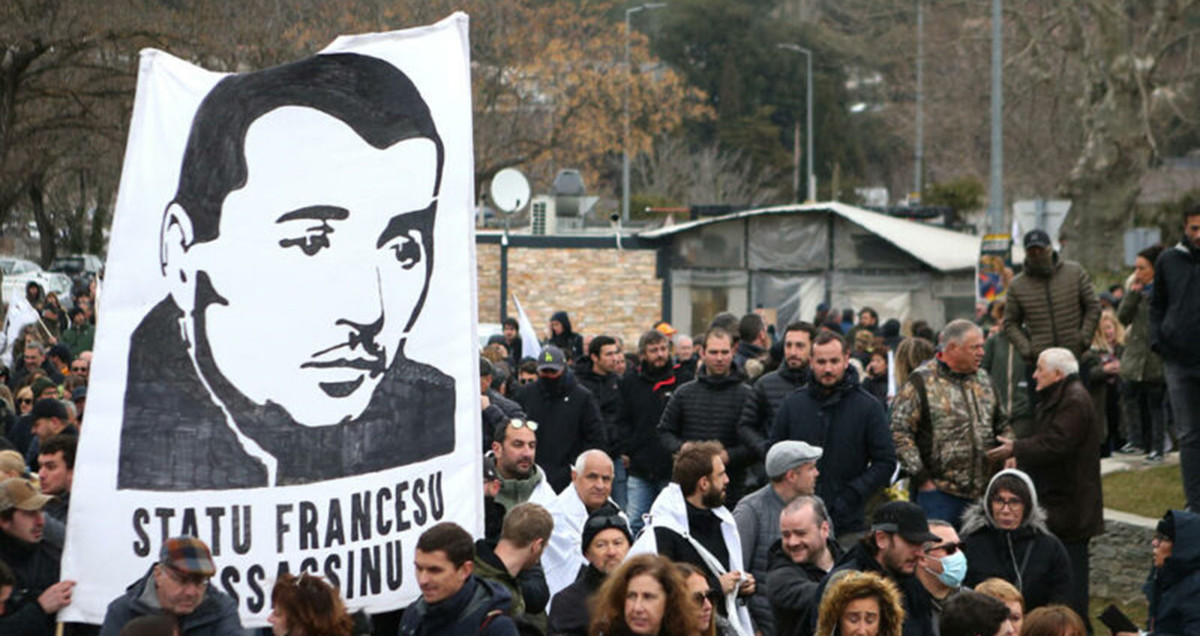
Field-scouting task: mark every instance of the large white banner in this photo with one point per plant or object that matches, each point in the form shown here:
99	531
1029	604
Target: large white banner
286	363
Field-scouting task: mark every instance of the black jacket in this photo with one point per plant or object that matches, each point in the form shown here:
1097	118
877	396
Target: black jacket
569	615
570	342
480	607
36	567
754	425
1174	306
792	589
568	423
1029	557
918	604
644	396
708	408
500	410
607	391
1174	589
851	427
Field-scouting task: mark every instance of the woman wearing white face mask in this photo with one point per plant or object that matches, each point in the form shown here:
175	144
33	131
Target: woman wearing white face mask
1006	537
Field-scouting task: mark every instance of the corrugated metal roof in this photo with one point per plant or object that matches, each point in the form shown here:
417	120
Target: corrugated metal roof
942	249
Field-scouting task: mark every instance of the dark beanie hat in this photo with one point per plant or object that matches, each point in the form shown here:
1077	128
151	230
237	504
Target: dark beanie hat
605	517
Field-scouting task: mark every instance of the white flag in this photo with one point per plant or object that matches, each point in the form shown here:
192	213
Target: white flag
530	347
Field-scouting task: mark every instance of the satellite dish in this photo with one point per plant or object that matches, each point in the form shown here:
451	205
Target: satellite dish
510	190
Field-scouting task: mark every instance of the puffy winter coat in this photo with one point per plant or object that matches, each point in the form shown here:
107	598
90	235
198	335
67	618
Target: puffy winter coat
757	415
1174	590
1060	311
708	408
1029	557
644	396
1138	362
851	427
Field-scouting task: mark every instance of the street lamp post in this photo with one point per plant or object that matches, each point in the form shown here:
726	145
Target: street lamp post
808	112
629	76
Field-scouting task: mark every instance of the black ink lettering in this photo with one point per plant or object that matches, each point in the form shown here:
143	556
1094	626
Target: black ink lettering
369	565
382	525
395	566
281	526
283	568
419	516
164	515
350	574
334	531
437	503
214	519
310	565
254	576
333	563
401	524
360	516
189	527
141	517
308	525
229	576
241	530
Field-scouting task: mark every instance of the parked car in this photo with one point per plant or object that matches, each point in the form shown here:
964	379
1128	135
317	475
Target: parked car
82	268
18	272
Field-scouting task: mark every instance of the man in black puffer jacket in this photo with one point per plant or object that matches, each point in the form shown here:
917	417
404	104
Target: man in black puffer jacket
567	415
770	389
708	408
838	415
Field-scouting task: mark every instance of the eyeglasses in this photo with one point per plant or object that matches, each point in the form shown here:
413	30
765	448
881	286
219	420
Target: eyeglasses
1011	504
712	596
524	381
24	400
948	548
187	578
520	423
78	369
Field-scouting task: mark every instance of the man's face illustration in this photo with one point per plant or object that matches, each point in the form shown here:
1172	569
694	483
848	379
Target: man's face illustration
318	265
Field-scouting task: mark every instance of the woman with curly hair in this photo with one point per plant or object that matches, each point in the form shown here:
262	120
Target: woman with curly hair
860	604
1053	620
647	596
307	606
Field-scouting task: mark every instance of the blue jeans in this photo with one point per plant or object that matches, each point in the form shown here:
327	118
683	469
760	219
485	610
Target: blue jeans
619	488
642	493
1183	385
941	505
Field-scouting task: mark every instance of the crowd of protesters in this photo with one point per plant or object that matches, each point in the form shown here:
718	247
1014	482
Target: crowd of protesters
850	475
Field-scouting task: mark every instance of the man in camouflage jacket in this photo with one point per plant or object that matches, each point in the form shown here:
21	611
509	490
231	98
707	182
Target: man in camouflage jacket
944	420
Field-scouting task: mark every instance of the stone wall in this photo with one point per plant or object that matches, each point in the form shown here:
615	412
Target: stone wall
1120	560
603	290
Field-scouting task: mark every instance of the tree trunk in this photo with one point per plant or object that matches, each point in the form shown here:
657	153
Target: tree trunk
45	226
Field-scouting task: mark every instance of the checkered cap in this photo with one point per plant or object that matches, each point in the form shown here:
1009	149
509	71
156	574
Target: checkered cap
187	554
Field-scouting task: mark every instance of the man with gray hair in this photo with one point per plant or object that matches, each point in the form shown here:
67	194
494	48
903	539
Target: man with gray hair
944	419
1063	459
590	489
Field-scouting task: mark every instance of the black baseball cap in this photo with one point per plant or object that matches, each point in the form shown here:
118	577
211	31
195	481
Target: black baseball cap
1036	238
906	519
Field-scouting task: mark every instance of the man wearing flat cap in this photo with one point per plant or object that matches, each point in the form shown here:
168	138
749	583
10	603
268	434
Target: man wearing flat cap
792	468
893	549
34	560
178	585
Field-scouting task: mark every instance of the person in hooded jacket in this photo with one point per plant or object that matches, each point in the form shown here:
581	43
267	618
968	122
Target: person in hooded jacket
838	415
1006	537
563	337
644	396
567	415
1173	587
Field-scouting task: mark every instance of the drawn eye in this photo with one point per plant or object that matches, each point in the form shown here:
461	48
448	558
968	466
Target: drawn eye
314	240
407	250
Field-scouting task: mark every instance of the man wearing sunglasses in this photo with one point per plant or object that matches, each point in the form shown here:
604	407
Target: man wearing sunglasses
943	566
179	584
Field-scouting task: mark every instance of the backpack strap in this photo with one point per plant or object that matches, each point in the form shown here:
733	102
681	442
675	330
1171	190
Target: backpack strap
924	436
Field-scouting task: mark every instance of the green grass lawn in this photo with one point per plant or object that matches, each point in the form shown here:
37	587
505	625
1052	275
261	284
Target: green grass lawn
1149	493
